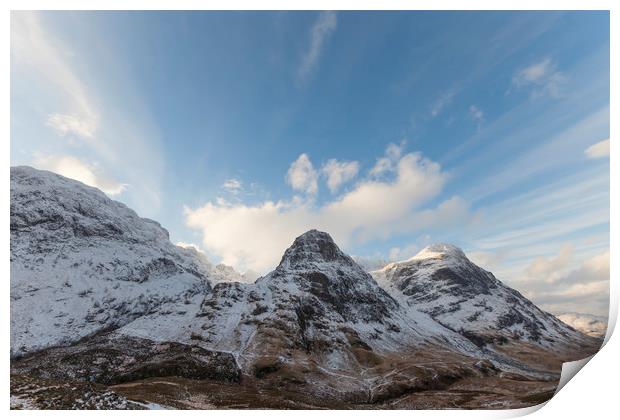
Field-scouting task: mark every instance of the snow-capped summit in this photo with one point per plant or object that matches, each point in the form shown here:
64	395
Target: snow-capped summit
439	251
442	282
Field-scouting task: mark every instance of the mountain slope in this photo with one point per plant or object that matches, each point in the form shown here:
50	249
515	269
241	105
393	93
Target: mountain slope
442	282
82	263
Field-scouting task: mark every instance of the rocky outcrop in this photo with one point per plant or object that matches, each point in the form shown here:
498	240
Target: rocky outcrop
112	359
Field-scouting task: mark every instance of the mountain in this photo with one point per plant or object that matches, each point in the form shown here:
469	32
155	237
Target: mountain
82	263
101	296
318	306
442	282
594	326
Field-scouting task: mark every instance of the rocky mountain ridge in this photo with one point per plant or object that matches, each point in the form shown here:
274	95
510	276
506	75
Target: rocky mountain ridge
442	282
115	301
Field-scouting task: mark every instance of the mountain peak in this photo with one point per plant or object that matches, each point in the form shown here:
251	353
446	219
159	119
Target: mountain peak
439	251
313	246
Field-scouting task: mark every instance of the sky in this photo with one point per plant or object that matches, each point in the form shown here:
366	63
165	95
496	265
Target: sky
389	130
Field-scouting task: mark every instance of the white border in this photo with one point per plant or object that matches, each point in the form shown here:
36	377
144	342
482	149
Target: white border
592	395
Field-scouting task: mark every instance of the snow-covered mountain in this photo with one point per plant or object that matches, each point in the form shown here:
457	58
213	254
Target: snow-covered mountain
592	325
317	304
124	303
82	263
442	282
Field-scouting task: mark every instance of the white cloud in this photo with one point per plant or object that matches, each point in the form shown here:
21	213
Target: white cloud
338	173
565	283
232	185
488	260
548	269
321	30
542	77
476	113
387	163
302	176
189	246
256	236
598	150
71	124
533	73
74	168
594	269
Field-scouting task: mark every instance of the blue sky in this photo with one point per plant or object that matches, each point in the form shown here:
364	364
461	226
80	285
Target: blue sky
239	131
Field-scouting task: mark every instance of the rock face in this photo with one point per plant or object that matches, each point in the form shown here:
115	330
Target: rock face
442	282
82	263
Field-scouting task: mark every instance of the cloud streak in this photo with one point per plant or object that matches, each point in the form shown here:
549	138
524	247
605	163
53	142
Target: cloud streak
598	150
33	47
77	126
321	30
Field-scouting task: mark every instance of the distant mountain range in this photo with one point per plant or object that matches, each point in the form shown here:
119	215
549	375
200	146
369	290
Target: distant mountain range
100	295
594	326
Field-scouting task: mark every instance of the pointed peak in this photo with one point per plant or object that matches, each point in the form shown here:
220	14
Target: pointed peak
313	246
314	235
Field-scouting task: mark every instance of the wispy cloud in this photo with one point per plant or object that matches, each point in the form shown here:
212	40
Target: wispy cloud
476	114
387	162
560	151
542	77
73	115
598	150
443	100
72	124
321	30
233	186
34	47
